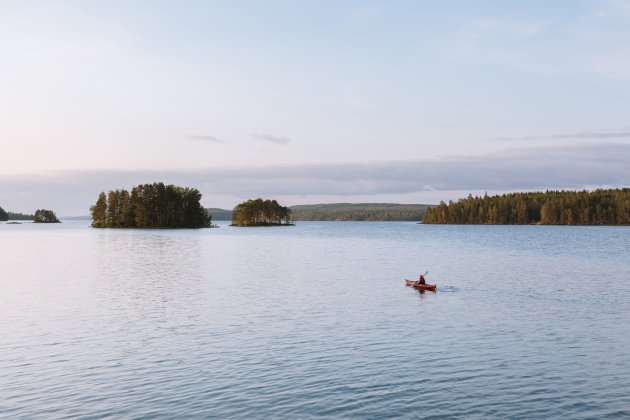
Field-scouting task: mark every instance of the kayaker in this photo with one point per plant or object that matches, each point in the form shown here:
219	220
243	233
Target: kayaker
421	280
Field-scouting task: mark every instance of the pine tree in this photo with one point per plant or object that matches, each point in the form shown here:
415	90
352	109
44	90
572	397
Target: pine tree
99	211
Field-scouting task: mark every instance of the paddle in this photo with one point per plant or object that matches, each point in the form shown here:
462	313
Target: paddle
416	281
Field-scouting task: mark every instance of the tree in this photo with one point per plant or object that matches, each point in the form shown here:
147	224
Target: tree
3	215
99	212
45	216
113	208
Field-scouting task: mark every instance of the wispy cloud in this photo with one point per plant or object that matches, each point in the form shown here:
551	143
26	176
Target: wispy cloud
515	169
493	40
614	8
483	28
273	139
207	138
588	52
364	14
586	135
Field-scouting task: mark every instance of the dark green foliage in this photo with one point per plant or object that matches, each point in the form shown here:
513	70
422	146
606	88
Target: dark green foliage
260	212
8	215
359	212
599	207
20	216
150	206
45	216
99	211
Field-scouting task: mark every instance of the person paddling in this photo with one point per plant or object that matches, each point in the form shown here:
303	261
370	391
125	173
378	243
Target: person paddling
421	279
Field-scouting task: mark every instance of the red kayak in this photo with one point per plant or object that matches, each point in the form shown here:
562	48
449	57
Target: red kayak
416	285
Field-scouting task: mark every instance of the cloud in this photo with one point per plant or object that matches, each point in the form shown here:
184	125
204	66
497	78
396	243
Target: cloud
515	169
494	40
581	135
614	8
510	28
207	138
364	14
273	139
580	48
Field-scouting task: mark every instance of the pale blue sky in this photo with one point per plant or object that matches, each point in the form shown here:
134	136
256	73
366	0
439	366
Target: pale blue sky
311	102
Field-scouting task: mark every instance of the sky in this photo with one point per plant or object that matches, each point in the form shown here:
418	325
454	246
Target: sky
311	101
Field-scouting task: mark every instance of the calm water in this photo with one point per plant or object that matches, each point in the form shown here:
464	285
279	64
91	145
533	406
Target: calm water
314	321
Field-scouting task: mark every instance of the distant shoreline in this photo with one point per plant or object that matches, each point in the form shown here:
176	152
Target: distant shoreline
263	225
601	207
377	212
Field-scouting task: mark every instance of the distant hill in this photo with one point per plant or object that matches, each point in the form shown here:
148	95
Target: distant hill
76	218
220	214
346	211
360	212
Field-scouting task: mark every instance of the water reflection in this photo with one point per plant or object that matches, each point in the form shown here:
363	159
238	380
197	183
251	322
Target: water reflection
157	275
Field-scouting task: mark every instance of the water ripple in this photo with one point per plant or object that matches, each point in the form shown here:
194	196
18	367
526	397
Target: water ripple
311	322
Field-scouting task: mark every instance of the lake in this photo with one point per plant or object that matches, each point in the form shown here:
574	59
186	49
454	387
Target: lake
314	321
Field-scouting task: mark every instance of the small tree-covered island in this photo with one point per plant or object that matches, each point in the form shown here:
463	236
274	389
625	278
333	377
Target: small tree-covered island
261	212
45	216
150	206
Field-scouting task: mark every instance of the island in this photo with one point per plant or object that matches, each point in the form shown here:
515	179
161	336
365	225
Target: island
261	212
599	207
150	206
45	216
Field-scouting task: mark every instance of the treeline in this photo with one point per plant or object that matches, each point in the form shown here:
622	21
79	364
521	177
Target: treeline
9	215
260	212
359	212
150	206
20	216
599	207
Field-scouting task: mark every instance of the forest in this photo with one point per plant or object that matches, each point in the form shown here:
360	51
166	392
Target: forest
599	207
261	212
20	216
150	206
8	215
